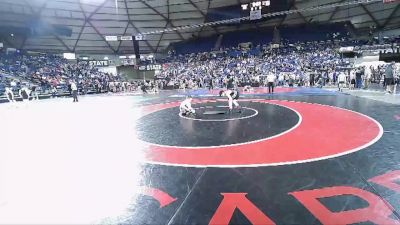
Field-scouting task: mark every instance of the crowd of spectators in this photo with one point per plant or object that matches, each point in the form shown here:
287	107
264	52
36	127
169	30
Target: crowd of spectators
293	64
50	73
299	64
316	63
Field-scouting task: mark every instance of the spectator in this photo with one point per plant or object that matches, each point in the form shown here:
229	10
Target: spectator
34	94
54	92
359	75
74	90
389	78
24	93
9	94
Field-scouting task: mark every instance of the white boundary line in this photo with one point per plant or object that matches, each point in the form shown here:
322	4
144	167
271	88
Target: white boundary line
289	162
243	143
222	120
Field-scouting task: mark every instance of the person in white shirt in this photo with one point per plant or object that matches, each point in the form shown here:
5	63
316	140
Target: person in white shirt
306	78
271	82
352	79
341	81
9	94
74	90
281	79
186	107
368	76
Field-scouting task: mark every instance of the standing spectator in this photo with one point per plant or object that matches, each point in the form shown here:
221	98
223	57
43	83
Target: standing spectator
69	88
54	92
389	78
312	78
230	82
352	79
359	75
34	94
9	94
306	78
143	87
74	90
291	78
367	76
281	79
210	83
24	94
341	81
97	86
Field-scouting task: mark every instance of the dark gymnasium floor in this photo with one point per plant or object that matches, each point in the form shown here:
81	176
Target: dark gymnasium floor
299	156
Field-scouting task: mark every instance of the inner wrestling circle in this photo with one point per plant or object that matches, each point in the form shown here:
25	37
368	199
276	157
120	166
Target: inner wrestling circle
220	114
165	127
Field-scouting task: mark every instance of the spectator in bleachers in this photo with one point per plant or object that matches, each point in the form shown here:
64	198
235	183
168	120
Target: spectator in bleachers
46	71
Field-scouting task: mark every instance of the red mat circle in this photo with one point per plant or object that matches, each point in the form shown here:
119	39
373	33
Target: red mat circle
324	132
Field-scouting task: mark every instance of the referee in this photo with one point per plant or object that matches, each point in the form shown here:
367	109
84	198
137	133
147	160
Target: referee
271	82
